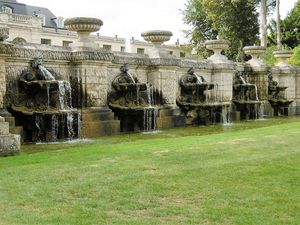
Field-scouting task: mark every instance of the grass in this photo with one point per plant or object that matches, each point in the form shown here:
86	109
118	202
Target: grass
242	174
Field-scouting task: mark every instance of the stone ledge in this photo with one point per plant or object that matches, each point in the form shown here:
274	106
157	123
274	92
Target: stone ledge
4	128
9	144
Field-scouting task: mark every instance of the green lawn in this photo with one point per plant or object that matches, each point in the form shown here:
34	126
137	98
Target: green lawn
242	174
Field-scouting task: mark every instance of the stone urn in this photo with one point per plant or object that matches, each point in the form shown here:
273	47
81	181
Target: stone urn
157	37
83	26
255	52
283	57
217	46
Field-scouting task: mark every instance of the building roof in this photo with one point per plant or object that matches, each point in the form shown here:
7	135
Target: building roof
23	9
49	16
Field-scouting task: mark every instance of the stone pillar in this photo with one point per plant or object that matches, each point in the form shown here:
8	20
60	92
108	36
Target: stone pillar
297	94
91	77
165	82
9	143
258	71
223	76
2	81
287	77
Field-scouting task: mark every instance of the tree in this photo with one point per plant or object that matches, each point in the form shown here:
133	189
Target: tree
290	28
265	7
201	27
235	20
279	46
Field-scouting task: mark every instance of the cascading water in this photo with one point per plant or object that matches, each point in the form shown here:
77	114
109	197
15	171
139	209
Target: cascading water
133	102
226	114
62	92
39	126
46	105
54	127
70	122
150	112
48	94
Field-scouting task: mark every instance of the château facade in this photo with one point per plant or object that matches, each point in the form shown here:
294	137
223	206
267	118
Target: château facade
38	25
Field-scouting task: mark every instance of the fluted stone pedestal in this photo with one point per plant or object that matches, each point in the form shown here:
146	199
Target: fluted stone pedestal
9	143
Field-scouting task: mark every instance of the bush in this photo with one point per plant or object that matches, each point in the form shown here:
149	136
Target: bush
295	60
268	56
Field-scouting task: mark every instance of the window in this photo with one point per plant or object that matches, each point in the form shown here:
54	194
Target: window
140	51
122	49
66	43
107	47
6	9
45	41
182	54
171	52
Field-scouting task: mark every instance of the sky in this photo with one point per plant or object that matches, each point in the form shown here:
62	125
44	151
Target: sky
129	18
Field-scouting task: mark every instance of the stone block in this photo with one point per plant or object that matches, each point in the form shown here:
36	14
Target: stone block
9	144
4	128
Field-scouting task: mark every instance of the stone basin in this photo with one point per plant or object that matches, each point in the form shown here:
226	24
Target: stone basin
42	84
83	24
243	86
277	88
157	37
197	86
280	102
125	87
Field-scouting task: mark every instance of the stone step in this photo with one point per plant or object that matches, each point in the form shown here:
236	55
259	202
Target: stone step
100	128
91	115
170	112
10	120
16	130
167	122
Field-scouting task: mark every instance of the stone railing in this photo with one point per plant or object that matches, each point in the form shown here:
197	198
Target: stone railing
21	19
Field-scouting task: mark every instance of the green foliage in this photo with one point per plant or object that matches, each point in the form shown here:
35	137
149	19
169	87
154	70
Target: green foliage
295	60
290	27
239	175
268	56
202	29
234	20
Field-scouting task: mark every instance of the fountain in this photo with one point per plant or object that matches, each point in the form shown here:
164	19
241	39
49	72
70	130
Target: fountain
133	102
276	97
44	105
245	97
199	100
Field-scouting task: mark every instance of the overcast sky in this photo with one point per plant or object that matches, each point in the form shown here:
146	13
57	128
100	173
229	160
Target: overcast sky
128	18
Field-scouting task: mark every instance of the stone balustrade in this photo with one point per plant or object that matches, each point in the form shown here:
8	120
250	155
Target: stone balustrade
21	19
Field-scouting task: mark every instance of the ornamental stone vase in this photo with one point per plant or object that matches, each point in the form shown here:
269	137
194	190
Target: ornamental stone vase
157	38
255	52
83	26
217	46
283	57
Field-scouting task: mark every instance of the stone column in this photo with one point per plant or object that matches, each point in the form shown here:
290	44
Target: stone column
165	82
223	76
4	34
287	77
223	69
258	71
91	77
2	81
297	94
